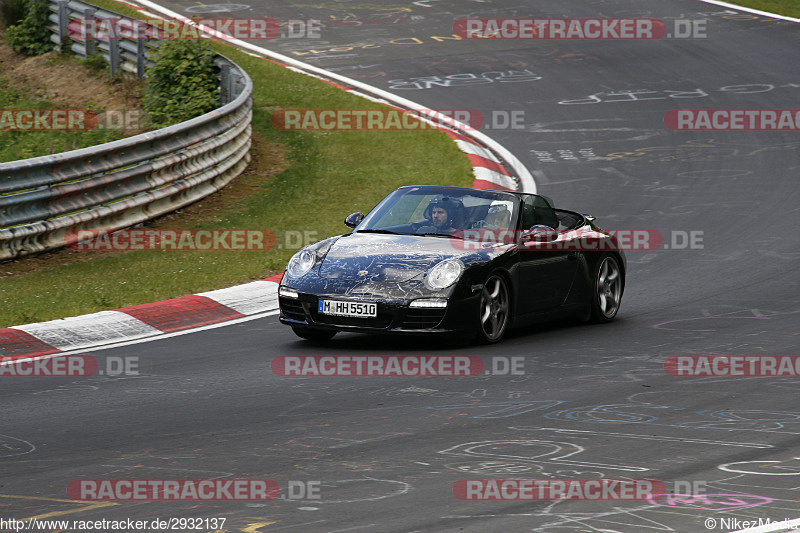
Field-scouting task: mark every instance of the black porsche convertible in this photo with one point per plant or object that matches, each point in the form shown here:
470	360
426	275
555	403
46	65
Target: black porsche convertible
450	260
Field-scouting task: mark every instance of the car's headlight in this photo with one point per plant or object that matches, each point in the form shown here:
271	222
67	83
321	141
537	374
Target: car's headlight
301	263
444	274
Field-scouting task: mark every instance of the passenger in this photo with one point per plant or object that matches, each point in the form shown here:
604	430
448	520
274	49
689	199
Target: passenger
497	217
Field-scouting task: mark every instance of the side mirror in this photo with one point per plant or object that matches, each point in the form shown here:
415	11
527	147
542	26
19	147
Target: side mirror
354	220
538	234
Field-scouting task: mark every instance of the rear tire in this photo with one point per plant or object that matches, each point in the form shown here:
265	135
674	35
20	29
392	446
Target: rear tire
606	289
494	311
317	335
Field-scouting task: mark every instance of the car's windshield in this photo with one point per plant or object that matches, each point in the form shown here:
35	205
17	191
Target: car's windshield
430	210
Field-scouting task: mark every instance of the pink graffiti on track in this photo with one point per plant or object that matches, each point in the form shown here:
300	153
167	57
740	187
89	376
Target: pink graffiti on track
711	502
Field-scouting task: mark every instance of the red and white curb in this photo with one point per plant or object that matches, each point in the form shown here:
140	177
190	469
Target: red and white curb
489	171
140	321
155	320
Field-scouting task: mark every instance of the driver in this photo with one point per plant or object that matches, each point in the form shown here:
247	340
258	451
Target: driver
441	219
444	213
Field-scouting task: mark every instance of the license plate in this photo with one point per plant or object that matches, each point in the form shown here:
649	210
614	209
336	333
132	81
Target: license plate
354	309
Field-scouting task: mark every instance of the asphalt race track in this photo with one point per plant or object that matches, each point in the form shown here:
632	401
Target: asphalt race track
384	454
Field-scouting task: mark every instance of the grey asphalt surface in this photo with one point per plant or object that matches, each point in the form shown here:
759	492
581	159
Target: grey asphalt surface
594	402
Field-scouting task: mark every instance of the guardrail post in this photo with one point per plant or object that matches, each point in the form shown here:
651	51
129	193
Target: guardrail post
90	47
63	21
113	56
225	83
141	56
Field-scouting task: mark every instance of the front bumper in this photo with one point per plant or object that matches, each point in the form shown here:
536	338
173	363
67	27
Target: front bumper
394	316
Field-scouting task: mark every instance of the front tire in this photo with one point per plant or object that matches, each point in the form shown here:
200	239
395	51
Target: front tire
606	289
317	335
494	310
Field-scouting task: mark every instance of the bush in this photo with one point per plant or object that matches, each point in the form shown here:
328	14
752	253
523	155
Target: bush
12	12
31	36
183	83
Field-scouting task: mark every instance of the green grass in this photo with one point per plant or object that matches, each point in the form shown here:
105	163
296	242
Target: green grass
330	175
789	8
25	144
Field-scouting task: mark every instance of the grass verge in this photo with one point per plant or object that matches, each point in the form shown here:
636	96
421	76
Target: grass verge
327	175
20	89
789	8
25	144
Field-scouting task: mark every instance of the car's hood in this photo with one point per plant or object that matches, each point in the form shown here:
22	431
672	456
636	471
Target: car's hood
380	257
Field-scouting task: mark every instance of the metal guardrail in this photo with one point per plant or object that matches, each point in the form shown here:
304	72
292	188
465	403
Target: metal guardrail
121	54
43	200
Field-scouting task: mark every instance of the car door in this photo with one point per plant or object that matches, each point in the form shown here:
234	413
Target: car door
546	273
